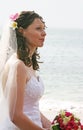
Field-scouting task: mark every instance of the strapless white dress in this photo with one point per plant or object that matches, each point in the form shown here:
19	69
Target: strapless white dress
34	90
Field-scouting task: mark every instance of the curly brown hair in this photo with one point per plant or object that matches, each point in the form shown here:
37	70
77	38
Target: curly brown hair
24	20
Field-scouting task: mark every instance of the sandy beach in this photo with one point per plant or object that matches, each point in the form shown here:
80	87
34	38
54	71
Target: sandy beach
50	108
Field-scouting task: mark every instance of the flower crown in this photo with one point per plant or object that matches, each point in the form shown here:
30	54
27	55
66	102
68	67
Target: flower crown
14	24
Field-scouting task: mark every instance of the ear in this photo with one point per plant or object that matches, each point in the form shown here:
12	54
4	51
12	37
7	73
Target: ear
21	30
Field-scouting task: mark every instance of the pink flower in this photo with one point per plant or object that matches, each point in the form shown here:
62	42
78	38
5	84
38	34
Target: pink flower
68	114
14	17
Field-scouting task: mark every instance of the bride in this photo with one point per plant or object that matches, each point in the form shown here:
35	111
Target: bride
21	88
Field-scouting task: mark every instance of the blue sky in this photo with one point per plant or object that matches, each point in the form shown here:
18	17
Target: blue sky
56	13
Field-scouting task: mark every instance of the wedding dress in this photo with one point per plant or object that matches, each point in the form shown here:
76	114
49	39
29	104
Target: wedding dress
34	90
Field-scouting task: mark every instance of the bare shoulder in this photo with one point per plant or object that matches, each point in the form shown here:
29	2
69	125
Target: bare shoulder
21	68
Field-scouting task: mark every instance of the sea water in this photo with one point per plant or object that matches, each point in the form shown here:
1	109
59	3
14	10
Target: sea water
62	67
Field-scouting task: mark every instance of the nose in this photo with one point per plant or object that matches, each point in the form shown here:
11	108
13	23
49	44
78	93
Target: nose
43	32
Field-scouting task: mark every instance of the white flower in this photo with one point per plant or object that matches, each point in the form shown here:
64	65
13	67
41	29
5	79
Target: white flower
14	25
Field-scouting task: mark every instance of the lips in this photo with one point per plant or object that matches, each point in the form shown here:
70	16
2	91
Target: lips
42	39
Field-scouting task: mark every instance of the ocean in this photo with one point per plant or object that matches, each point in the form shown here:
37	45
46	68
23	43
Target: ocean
62	67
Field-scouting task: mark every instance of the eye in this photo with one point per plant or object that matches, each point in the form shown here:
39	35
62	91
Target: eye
40	28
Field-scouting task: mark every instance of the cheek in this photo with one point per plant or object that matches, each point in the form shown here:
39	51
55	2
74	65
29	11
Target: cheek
32	37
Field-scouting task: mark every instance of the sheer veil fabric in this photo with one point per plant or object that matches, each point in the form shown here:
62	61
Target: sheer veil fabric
8	90
8	44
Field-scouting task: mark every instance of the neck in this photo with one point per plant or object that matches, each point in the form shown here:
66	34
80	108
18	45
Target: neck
32	50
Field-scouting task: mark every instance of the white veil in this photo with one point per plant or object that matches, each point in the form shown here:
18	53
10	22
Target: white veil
8	45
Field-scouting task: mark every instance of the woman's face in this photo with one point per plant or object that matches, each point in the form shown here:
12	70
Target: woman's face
35	33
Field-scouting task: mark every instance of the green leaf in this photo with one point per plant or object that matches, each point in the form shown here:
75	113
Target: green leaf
55	127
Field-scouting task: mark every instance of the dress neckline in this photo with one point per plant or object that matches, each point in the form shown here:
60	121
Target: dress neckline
33	77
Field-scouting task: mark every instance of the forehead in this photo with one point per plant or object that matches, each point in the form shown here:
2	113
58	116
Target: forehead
37	22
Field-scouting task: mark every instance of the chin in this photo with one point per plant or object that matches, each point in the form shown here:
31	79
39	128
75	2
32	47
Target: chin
41	44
